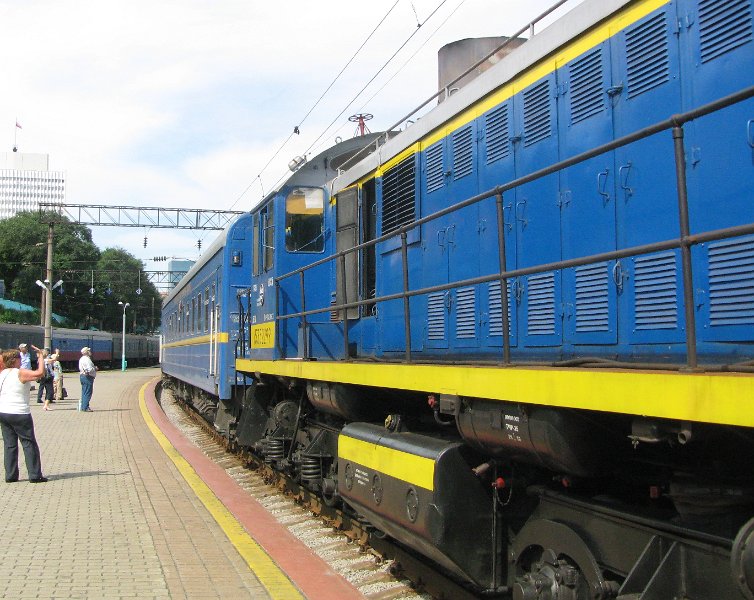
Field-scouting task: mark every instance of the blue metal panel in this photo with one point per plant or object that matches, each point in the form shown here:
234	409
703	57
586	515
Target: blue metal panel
398	193
451	242
495	314
537	214
588	197
725	295
497	168
646	61
719	44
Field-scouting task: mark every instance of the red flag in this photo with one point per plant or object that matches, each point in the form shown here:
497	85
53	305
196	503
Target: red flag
17	125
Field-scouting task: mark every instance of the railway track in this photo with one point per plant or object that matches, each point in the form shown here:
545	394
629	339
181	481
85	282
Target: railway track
377	567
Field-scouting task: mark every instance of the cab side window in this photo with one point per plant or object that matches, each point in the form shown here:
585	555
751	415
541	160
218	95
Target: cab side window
304	220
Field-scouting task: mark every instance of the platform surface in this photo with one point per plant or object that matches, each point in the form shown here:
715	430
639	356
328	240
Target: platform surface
119	518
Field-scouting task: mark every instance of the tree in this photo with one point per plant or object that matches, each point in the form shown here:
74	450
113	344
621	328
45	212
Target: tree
23	256
128	283
113	274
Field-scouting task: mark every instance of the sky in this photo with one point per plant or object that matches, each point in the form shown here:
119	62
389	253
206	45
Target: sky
192	103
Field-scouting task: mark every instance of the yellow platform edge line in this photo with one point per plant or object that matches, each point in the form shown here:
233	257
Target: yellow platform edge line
722	398
269	574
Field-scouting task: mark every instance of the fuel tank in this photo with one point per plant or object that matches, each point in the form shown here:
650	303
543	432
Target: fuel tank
561	440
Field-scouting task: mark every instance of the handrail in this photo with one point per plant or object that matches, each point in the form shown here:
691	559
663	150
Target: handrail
684	242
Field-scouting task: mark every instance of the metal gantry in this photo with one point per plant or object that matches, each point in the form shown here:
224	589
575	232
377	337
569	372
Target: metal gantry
92	279
137	216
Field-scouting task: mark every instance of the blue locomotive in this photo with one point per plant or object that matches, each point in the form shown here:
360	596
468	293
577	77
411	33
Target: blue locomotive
584	434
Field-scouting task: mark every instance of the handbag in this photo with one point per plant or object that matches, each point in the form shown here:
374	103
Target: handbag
65	393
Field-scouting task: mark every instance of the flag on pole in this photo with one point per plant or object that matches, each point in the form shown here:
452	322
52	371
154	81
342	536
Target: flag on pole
17	125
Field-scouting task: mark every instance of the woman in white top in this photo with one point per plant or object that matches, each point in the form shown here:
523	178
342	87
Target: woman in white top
15	415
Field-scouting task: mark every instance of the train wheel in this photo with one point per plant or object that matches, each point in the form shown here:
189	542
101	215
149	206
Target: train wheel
742	560
552	561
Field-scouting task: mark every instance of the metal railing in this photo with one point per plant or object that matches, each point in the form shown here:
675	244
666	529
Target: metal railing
684	242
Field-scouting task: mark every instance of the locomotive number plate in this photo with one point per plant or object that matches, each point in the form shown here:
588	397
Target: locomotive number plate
263	336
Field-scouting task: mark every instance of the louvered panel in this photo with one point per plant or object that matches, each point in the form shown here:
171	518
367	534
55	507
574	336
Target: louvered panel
462	156
723	26
587	95
496	310
731	282
334	314
436	316
540	310
656	292
466	313
435	175
592	305
497	136
398	194
537	120
647	56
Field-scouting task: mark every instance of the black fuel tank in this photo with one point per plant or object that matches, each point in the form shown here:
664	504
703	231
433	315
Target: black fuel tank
561	440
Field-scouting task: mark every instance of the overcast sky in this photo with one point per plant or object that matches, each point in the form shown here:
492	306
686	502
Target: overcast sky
182	103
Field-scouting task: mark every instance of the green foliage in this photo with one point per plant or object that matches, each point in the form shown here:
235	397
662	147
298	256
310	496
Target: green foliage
114	274
22	317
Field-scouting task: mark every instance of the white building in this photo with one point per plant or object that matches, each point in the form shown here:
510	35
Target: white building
25	181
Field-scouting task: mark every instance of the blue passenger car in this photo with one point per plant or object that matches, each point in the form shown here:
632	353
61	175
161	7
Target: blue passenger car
200	315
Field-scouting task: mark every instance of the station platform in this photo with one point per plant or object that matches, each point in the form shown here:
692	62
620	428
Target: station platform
132	509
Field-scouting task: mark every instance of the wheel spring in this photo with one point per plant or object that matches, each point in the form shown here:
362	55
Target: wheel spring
275	450
311	469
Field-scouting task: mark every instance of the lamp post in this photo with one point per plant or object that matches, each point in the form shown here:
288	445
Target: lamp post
123	352
47	287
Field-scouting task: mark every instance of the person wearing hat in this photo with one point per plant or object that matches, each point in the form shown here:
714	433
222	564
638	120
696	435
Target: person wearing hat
87	373
25	356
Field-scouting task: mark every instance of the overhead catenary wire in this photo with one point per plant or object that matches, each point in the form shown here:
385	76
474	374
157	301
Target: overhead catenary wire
367	84
382	68
403	66
296	128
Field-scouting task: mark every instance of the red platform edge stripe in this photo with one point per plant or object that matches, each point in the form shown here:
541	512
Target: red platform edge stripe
314	577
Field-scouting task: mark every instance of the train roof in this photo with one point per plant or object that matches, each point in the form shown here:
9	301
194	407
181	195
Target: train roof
578	20
321	169
317	171
216	246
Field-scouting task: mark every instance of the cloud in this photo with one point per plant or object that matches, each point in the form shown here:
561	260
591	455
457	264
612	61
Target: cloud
184	102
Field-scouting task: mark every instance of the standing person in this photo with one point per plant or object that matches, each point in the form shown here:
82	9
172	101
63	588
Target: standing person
57	376
25	356
87	373
15	415
48	380
45	382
